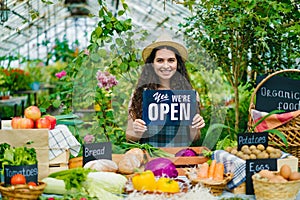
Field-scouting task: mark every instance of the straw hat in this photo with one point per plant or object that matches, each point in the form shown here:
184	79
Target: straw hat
165	40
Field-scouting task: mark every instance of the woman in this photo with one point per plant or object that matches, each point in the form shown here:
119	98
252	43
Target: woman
164	70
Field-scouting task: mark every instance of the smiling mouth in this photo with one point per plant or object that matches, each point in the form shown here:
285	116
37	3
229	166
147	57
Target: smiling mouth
165	71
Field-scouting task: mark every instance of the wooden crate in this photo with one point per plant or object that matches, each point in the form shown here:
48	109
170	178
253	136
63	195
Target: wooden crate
61	159
58	168
31	138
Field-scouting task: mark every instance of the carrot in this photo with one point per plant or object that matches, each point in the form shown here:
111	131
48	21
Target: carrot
203	171
211	169
219	172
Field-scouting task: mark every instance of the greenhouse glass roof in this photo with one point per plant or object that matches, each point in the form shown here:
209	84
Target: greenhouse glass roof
32	22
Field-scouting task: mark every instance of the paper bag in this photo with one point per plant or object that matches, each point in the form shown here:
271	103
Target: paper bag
38	139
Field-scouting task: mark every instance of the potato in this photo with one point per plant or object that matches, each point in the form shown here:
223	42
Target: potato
233	151
247	151
252	156
273	155
256	151
239	154
261	155
266	155
252	147
261	147
245	157
270	149
244	147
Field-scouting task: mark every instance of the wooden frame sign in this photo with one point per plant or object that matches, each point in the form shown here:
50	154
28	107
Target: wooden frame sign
169	107
95	151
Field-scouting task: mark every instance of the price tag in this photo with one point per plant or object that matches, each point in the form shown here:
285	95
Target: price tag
29	171
95	151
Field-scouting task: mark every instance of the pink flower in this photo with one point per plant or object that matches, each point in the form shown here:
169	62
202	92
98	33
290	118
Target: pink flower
86	52
106	80
51	198
88	139
61	74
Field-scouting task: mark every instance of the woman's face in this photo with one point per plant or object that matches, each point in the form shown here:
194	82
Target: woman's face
165	64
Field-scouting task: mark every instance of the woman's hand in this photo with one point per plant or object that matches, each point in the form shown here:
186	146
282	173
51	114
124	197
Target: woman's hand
139	127
198	122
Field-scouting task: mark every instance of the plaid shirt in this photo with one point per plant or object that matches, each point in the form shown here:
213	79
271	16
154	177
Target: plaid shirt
167	136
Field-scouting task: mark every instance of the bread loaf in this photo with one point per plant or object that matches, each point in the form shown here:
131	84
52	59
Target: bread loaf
102	165
138	152
129	163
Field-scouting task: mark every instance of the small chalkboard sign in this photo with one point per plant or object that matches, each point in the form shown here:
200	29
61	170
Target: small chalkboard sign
252	139
95	151
169	107
29	171
254	166
278	93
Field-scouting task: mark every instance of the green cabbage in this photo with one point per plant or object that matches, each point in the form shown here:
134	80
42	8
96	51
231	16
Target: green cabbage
105	185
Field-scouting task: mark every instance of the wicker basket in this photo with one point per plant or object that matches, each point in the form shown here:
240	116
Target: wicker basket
290	130
215	188
264	190
18	192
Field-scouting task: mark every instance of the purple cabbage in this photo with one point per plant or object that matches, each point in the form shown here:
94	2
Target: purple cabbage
186	152
162	167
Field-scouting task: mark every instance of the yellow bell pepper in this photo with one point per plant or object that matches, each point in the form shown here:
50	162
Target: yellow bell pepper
167	185
144	181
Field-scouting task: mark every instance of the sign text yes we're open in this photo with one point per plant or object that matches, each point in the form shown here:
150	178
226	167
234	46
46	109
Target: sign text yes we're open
169	107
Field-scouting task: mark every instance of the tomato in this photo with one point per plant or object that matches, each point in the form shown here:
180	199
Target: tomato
144	181
18	179
167	185
31	183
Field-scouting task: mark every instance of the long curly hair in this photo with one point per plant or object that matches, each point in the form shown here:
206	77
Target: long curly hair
149	80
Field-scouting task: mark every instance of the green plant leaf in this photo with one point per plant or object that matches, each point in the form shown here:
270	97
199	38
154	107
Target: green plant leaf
279	134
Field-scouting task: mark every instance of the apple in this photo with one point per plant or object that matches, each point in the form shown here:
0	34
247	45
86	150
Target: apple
22	123
43	123
15	122
32	112
52	120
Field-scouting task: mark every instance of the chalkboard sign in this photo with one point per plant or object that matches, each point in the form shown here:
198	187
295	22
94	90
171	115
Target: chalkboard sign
29	171
254	166
252	139
169	107
95	151
278	93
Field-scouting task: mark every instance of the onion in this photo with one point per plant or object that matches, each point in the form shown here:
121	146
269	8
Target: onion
162	167
186	152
